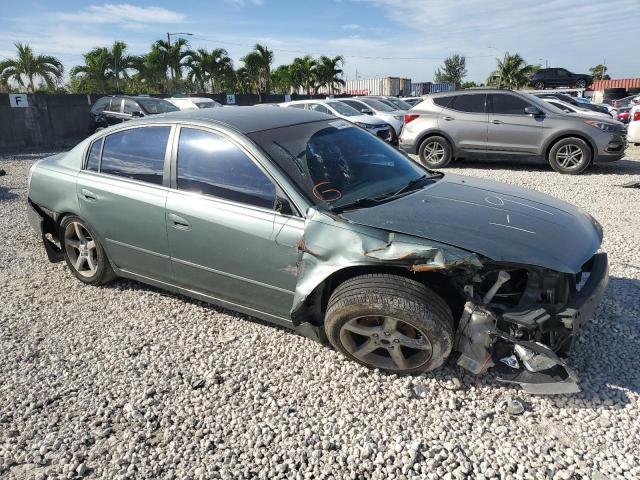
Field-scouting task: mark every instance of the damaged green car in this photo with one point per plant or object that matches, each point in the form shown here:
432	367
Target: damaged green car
312	223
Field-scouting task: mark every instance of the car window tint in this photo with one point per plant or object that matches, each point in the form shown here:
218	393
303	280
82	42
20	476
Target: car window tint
93	159
468	103
442	101
130	106
100	105
210	164
114	105
508	105
316	107
357	105
136	153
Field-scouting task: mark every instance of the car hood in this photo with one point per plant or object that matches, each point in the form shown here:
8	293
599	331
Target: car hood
499	221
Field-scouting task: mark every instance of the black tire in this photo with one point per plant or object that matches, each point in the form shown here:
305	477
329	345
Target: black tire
562	149
441	144
581	83
102	271
539	85
420	314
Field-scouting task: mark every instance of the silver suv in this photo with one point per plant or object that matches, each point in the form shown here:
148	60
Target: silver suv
504	123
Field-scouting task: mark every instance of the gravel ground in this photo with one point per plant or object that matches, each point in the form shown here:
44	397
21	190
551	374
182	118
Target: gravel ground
126	381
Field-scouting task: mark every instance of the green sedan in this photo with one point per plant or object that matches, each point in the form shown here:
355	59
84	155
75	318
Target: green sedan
310	222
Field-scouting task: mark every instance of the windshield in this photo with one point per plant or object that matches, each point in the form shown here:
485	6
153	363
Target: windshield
207	104
344	109
400	104
156	105
377	105
335	163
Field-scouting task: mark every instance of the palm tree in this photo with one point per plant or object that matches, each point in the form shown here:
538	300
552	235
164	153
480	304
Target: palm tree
258	66
49	69
303	73
328	72
151	70
175	56
513	71
95	74
281	79
209	68
242	82
119	62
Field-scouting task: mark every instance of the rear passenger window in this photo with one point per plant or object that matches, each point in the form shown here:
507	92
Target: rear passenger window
114	105
210	164
468	103
508	105
316	107
442	101
136	153
93	159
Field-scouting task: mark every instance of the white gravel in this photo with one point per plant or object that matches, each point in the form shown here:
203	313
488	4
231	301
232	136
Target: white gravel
127	381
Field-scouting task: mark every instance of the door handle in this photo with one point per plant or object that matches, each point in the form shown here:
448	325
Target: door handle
448	119
497	122
179	222
88	194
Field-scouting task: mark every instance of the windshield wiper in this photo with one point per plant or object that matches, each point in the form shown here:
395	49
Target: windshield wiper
359	203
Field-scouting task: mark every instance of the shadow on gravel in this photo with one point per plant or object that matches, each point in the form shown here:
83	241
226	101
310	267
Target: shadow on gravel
621	167
6	194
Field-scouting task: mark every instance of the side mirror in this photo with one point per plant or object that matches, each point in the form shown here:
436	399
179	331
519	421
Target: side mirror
531	110
137	113
366	111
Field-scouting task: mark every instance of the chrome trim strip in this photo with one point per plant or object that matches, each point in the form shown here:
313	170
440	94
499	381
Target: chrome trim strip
139	249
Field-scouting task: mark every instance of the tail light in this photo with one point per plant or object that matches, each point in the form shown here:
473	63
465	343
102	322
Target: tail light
410	117
636	116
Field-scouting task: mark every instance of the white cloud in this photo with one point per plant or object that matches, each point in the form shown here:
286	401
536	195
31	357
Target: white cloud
122	14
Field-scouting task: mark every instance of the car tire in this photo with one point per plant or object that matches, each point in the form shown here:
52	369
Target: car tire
391	323
83	253
435	152
581	83
538	85
570	156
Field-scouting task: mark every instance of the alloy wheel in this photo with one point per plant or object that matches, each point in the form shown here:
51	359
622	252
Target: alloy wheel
385	342
570	157
81	249
434	152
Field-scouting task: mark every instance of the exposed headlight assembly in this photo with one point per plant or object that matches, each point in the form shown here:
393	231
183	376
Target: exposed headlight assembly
604	126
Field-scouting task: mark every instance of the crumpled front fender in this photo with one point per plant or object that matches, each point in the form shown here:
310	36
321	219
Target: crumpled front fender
330	243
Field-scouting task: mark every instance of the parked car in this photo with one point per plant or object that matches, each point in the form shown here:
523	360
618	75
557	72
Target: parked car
623	114
372	124
309	222
626	101
504	123
558	77
633	129
575	101
117	109
569	108
371	106
394	102
193	103
413	101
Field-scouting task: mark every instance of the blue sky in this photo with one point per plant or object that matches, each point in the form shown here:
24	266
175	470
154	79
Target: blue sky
407	38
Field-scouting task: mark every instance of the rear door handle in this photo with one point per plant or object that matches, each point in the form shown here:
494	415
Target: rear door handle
179	222
497	122
88	194
448	119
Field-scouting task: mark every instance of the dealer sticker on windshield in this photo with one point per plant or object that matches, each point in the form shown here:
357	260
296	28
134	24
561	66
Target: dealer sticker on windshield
340	124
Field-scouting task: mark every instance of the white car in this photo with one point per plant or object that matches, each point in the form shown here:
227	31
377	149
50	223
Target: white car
568	108
193	103
633	128
371	123
371	106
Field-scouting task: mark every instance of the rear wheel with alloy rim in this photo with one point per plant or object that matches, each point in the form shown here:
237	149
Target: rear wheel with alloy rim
581	83
83	253
390	322
435	152
570	155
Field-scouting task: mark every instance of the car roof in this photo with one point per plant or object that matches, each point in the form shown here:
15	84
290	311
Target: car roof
249	119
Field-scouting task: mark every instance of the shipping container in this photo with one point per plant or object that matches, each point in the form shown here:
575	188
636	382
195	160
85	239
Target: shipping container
625	83
422	88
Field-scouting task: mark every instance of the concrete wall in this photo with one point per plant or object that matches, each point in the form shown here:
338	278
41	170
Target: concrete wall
62	120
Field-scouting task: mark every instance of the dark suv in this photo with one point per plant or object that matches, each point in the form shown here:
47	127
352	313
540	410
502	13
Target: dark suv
117	109
558	77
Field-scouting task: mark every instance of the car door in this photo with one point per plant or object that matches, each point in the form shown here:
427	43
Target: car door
563	78
511	129
465	120
131	109
226	238
122	195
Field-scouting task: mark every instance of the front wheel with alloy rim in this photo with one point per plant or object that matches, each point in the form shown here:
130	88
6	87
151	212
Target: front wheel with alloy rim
83	253
390	322
570	155
581	83
539	86
435	152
